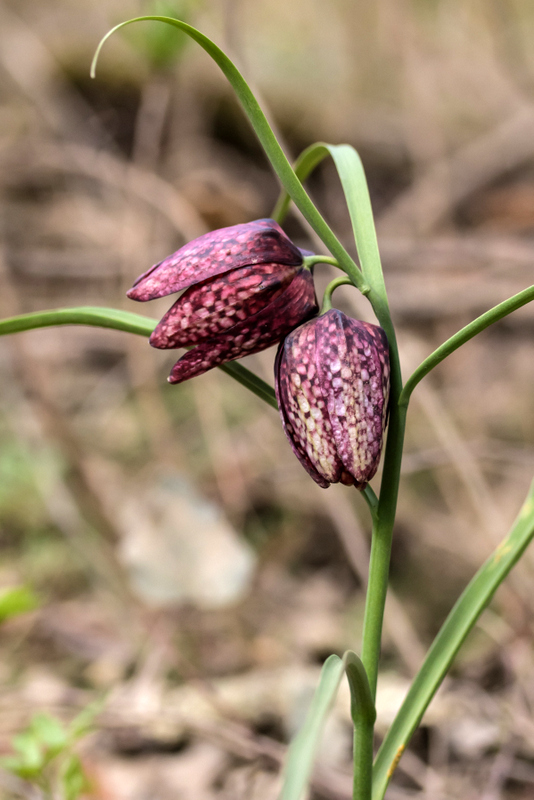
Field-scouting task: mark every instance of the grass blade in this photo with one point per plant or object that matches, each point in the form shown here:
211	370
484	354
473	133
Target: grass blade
263	131
130	323
450	638
464	335
352	176
301	755
310	158
354	183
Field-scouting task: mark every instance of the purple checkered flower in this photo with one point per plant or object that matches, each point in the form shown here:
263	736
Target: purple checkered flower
332	387
246	288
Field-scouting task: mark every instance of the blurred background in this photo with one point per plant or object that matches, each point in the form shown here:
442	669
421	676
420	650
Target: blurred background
173	560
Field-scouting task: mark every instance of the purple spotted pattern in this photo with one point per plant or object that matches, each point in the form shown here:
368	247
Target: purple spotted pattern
212	308
332	387
255	333
246	288
215	253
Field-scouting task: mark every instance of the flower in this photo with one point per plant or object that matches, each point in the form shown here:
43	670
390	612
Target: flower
332	387
246	288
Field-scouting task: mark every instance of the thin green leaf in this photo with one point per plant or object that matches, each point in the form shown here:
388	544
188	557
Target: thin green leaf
130	323
464	335
15	601
268	140
82	315
450	638
351	173
354	183
304	746
160	45
362	705
306	162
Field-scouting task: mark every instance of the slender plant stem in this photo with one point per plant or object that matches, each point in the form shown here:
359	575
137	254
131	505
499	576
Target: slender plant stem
363	717
311	261
384	518
330	289
371	499
381	541
362	782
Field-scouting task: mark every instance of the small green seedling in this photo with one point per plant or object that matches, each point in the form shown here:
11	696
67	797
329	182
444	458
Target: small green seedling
45	754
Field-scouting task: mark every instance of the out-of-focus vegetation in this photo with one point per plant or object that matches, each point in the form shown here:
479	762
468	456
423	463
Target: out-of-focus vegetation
182	559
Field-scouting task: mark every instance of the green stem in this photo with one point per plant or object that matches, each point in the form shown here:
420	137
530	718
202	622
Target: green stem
384	518
363	718
362	782
329	291
311	261
371	499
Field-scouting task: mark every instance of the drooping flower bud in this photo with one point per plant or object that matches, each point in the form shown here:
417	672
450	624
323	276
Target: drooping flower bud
246	288
332	387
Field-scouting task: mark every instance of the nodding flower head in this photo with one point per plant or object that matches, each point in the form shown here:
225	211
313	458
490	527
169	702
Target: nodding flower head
332	387
246	288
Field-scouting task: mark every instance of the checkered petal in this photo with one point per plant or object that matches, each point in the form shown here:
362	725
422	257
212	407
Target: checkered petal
332	382
260	242
209	309
255	333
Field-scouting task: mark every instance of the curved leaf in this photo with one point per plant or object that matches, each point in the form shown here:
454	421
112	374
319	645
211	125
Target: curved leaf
352	176
351	173
130	323
268	140
81	315
464	335
303	166
450	638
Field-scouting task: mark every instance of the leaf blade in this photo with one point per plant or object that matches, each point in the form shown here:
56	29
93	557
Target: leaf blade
301	754
352	176
130	323
450	638
264	132
306	162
